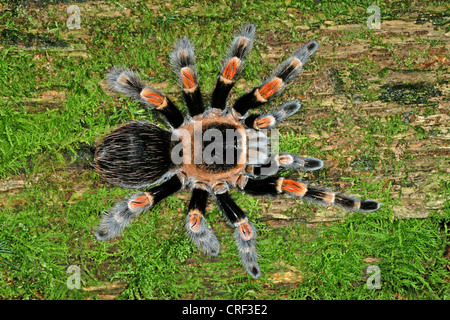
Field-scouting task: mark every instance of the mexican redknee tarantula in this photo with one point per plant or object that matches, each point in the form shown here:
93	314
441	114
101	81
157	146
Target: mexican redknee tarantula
216	148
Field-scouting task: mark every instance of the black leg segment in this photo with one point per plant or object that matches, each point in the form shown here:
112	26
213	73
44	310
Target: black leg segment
275	84
196	225
129	84
232	68
183	63
245	233
124	212
229	208
165	189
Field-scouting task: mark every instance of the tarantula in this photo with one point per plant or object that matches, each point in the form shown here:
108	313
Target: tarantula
216	148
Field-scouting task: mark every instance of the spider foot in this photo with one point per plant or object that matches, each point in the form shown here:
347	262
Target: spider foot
121	215
304	164
245	235
200	233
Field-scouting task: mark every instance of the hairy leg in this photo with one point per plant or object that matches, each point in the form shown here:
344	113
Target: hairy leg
245	233
320	195
124	212
196	225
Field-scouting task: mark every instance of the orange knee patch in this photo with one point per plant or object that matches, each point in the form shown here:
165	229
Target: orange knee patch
271	87
152	97
245	231
265	122
187	76
285	159
140	202
194	220
230	69
294	187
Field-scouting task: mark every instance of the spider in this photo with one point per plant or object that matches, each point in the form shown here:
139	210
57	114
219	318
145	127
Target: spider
216	148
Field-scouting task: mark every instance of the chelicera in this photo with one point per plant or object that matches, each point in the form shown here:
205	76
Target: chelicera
212	150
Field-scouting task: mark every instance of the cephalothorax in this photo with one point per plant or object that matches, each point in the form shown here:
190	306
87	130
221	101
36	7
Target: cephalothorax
214	149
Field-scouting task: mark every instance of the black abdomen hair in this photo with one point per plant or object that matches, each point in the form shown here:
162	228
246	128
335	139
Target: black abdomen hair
134	156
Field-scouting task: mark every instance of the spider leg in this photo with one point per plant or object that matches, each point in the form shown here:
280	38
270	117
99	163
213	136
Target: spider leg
196	225
271	87
129	84
284	161
270	120
183	63
123	212
277	185
233	66
245	232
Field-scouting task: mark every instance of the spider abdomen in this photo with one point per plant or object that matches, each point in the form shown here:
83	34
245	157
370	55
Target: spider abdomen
135	155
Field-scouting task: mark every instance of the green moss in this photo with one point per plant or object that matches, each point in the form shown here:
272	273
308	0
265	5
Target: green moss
411	94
